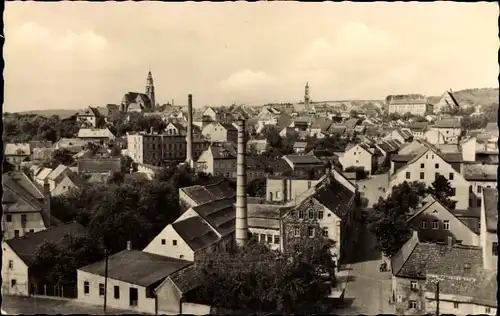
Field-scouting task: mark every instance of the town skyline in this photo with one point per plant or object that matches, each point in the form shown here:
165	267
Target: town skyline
94	53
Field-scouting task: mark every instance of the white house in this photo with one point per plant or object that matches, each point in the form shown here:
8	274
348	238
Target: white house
360	155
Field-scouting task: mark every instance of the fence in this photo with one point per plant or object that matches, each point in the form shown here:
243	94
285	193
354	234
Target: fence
66	291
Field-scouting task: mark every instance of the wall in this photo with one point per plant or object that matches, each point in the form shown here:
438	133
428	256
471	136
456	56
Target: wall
357	157
168	249
19	273
415	108
475	195
225	167
458	230
144	304
429	159
168	298
403	294
64	185
34	221
465	307
258	232
277	189
185	201
469	150
205	162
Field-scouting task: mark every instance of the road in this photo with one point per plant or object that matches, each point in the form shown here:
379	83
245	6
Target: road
31	306
368	289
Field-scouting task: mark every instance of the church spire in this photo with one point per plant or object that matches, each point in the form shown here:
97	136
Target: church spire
306	95
150	89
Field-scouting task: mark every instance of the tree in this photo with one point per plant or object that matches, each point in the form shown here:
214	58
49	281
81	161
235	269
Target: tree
442	190
256	279
61	157
7	166
388	218
257	187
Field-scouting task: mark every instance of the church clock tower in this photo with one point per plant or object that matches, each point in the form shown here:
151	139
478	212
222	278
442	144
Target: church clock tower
150	90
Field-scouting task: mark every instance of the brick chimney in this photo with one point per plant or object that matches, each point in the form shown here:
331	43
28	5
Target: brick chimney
241	194
189	139
46	199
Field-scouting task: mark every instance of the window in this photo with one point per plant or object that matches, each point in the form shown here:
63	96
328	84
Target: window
451	176
277	195
408	175
23	218
470	202
11	264
116	291
357	161
310	231
436	175
487	310
133	296
455	305
435	224
320	214
413	284
296	231
446	225
302	214
174	242
13	282
479	189
494	248
437	166
101	289
262	238
479	202
422	175
277	239
9	218
325	231
422	166
413	304
163	241
270	196
269	239
309	184
424	224
86	287
181	256
16	233
311	214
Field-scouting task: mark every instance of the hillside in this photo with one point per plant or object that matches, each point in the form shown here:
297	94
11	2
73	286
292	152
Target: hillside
483	96
48	113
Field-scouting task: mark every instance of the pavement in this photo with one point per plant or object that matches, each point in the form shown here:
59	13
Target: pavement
38	305
367	290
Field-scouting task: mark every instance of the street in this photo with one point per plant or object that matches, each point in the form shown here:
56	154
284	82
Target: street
368	289
38	305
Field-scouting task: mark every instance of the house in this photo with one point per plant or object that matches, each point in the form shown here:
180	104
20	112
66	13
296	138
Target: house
26	209
401	135
278	167
200	194
447	102
488	232
300	147
89	118
57	175
415	104
200	230
87	167
174	128
435	223
74	145
42	154
492	129
479	176
132	276
212	113
319	126
361	155
41	175
258	146
15	153
424	164
418	130
302	123
287	187
287	132
303	161
218	159
19	255
136	102
220	132
445	131
388	148
465	287
96	135
69	180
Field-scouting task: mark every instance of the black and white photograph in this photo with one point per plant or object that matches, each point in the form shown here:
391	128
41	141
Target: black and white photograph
260	158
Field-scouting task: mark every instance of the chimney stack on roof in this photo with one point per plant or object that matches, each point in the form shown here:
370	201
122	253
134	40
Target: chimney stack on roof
47	198
241	182
189	153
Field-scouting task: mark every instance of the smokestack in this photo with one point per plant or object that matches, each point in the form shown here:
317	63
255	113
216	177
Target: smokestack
241	194
47	198
129	245
189	153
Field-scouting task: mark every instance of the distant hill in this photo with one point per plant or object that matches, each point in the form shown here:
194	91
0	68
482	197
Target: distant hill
48	113
483	96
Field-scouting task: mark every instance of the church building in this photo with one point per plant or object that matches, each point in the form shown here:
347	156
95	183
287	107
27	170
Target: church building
140	102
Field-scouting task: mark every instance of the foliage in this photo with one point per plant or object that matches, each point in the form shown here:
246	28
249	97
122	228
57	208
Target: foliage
60	157
138	123
56	262
7	166
388	218
19	128
331	143
442	190
257	187
255	278
277	145
474	122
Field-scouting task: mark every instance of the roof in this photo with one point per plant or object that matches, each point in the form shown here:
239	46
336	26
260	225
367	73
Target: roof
223	151
480	172
131	97
185	279
195	232
44	173
300	145
278	166
16	185
42	153
26	246
405	134
137	267
210	192
228	126
94	133
407	99
418	127
99	165
264	215
90	111
40	144
490	197
321	123
304	159
447	123
71	142
13	149
57	172
336	129
335	197
220	214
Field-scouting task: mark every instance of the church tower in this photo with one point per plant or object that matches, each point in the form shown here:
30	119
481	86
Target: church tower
306	96
150	90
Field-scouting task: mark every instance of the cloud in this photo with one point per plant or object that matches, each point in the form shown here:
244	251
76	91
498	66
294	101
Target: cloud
30	33
248	79
86	41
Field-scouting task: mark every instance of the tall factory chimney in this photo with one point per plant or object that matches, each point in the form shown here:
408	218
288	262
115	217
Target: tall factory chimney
241	189
189	140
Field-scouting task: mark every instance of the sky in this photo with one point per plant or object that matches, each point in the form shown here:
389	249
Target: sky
69	55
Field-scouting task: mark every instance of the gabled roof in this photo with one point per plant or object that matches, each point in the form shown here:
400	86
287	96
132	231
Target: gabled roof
26	246
220	214
44	173
42	153
210	192
57	172
99	165
15	149
90	111
94	133
17	185
195	232
300	145
480	172
131	97
304	159
490	197
335	197
418	127
448	123
137	267
223	151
